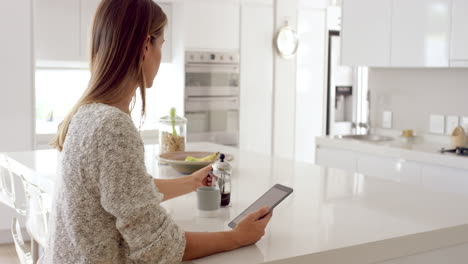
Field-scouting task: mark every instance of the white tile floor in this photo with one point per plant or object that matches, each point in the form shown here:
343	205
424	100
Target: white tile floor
8	254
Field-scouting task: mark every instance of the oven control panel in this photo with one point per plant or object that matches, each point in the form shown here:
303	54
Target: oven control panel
211	57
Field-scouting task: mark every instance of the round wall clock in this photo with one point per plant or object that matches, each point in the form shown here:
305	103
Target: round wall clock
287	42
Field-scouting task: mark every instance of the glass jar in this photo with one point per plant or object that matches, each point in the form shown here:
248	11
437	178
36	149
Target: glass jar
223	172
172	134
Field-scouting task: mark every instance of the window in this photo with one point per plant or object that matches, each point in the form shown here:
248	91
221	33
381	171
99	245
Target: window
58	89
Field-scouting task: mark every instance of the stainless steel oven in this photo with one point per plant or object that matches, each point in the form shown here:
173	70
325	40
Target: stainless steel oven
212	96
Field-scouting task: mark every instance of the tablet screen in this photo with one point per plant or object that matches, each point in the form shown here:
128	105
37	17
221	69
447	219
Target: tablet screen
271	198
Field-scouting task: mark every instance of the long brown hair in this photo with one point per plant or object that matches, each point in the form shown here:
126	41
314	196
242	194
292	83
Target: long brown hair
119	31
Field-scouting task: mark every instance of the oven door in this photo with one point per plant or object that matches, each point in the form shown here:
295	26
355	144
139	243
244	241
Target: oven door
212	79
218	126
213	119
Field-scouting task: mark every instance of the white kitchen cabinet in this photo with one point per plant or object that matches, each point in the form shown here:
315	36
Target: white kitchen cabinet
167	46
459	34
88	10
420	35
445	179
389	168
212	25
366	32
453	255
63	31
434	177
459	63
336	158
256	84
57	30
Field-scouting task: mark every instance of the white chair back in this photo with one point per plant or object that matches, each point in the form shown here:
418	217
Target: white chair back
22	195
23	253
38	213
29	200
7	183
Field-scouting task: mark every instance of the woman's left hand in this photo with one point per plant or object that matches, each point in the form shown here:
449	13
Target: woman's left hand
202	177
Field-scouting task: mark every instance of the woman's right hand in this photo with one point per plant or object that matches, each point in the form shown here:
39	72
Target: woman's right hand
251	229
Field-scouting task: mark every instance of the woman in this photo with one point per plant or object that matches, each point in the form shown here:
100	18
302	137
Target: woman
106	207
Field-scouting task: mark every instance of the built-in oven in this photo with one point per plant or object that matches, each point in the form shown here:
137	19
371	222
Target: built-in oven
212	96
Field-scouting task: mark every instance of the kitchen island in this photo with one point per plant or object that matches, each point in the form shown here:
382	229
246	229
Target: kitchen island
333	216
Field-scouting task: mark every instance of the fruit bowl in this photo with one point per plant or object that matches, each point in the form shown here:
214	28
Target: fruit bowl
177	160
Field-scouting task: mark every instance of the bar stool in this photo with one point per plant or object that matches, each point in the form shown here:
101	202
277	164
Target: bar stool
37	209
39	206
24	256
8	197
30	201
7	184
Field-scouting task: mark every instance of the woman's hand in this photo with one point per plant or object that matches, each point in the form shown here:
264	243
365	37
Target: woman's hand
251	229
201	177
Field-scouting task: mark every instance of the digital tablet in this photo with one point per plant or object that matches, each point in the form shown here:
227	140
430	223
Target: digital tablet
271	199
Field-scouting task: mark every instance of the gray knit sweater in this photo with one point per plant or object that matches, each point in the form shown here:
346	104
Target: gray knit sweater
106	206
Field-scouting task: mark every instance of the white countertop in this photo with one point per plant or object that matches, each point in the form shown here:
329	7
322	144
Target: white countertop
421	150
332	216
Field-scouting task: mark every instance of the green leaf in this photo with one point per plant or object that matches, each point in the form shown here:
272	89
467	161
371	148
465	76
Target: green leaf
172	114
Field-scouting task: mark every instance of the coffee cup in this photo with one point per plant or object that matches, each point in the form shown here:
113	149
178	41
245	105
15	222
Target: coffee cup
208	201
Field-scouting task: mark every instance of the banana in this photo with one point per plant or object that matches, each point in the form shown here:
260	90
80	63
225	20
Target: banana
210	157
190	158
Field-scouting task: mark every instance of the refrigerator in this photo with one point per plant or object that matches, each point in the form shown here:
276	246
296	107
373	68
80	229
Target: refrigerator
347	93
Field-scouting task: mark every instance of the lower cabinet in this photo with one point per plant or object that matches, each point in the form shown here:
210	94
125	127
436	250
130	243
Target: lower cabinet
389	168
445	179
453	255
336	158
434	177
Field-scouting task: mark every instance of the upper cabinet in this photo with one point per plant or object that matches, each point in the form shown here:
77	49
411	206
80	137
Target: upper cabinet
401	33
420	35
459	38
88	9
212	25
365	32
63	31
167	46
57	30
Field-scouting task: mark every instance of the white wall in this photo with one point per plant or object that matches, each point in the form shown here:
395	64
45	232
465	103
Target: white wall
284	95
298	100
413	94
16	76
256	82
16	90
310	93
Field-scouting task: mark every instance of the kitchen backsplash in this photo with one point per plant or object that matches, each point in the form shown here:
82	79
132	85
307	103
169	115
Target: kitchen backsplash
414	94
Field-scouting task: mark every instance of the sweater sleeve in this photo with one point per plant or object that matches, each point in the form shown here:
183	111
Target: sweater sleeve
132	197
